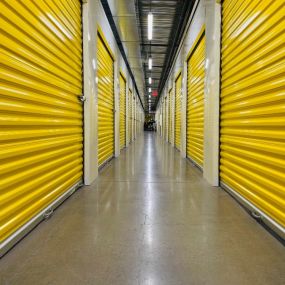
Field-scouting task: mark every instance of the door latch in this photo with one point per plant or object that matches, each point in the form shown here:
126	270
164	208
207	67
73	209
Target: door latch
82	98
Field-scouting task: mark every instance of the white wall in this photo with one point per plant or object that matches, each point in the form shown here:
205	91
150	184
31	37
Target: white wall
208	13
94	16
180	65
212	93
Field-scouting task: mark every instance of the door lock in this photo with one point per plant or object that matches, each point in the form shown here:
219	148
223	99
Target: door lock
82	98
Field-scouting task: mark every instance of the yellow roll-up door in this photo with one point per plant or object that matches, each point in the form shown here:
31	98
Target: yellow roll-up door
137	118
178	86
41	131
252	153
130	114
105	102
195	101
170	116
122	111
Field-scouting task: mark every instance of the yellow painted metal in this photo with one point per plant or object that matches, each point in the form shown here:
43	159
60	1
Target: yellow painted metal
122	111
253	103
41	130
130	99
105	102
170	110
163	117
195	101
177	128
166	118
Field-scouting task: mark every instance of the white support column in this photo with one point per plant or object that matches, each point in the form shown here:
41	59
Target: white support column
167	115
212	92
161	117
90	91
127	114
160	122
117	106
133	115
135	122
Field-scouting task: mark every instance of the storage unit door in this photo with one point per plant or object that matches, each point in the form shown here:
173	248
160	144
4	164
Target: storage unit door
105	103
122	112
178	111
169	116
41	131
130	114
195	102
252	153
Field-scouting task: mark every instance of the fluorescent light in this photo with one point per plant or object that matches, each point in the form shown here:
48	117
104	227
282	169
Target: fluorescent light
149	89
149	28
150	63
149	96
149	80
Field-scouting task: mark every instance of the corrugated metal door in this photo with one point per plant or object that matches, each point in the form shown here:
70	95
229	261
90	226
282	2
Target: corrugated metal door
122	111
130	114
178	86
137	118
253	103
170	116
195	101
105	102
40	113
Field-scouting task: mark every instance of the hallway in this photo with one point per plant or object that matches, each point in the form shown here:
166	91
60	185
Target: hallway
150	218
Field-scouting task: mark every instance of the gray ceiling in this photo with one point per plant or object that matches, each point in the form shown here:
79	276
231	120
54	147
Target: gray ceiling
124	15
165	13
130	17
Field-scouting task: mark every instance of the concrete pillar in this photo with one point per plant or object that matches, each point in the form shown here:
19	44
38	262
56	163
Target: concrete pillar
90	91
212	92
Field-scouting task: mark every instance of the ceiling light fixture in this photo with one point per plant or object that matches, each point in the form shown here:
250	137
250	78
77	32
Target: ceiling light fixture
149	89
150	63
149	28
149	80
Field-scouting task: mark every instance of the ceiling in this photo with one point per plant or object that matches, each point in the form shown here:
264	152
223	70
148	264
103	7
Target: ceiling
124	16
165	13
169	22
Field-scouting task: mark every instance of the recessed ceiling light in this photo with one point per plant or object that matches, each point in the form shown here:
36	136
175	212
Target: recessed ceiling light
150	63
149	28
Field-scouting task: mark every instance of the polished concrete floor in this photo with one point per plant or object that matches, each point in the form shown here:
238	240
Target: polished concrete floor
151	219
